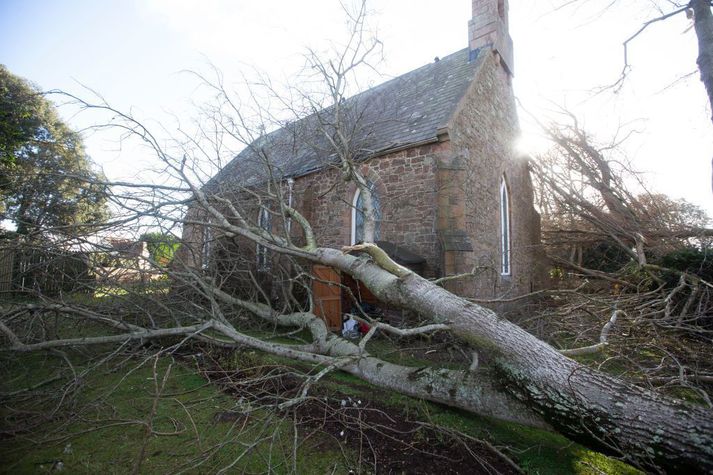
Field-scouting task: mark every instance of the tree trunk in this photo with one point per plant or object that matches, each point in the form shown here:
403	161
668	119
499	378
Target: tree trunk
600	411
703	24
587	406
473	391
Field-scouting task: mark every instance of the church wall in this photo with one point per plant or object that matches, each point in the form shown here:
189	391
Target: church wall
406	182
483	135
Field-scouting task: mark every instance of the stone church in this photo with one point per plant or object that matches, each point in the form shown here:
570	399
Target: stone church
437	147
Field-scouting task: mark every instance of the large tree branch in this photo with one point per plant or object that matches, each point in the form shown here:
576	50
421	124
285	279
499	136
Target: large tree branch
99	340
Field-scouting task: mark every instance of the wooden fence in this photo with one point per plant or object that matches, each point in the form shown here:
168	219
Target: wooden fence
25	270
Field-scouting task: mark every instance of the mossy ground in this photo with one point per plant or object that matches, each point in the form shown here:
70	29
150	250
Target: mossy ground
535	451
99	423
100	427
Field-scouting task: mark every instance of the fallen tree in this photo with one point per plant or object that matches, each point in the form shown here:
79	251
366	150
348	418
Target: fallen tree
525	380
514	376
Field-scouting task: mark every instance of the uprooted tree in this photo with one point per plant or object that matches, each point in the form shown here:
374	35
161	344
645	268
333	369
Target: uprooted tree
622	251
602	228
513	375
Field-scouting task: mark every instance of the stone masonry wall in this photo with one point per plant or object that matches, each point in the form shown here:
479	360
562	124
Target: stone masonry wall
406	184
483	135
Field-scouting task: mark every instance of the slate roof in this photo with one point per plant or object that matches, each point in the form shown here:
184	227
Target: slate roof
409	109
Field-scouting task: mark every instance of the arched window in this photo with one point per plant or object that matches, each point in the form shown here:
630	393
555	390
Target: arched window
358	214
504	228
264	220
207	248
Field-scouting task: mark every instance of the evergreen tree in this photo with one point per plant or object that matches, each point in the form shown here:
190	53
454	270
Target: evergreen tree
47	181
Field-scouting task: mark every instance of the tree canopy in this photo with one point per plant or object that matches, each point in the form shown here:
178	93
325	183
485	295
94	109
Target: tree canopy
47	179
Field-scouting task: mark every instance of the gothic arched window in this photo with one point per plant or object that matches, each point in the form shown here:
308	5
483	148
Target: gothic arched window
504	228
358	214
501	9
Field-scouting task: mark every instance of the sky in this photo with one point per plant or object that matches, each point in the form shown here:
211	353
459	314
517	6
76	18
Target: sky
135	53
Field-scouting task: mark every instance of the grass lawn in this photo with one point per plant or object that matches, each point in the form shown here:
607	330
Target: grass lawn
535	451
95	410
101	425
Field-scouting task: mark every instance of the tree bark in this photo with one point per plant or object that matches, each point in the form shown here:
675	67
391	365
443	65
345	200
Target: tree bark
473	391
703	24
526	380
600	411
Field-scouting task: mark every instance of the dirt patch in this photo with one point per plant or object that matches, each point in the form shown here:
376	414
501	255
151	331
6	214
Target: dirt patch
384	439
387	442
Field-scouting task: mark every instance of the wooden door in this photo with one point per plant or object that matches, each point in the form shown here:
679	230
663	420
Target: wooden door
327	296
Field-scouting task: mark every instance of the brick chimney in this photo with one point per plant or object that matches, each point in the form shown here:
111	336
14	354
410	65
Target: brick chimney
489	28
